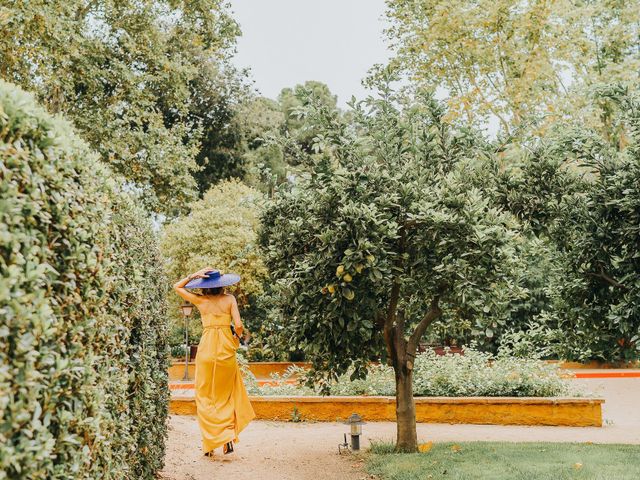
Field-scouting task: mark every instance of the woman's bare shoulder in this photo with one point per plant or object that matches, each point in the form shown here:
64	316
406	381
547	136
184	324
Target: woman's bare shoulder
228	297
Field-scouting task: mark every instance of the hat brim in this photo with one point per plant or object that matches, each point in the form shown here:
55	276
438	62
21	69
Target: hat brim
224	280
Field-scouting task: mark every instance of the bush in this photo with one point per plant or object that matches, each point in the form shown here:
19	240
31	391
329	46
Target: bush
82	340
480	374
474	374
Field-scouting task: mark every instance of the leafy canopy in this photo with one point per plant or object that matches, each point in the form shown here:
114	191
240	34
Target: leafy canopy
597	301
391	223
518	61
576	190
122	72
220	231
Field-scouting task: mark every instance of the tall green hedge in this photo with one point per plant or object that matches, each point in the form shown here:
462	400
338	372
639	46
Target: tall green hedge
83	385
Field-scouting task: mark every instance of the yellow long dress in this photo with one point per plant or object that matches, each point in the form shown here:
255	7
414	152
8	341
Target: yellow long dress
222	403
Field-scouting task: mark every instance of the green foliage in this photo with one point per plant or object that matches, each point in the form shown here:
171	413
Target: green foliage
482	374
597	303
389	213
83	352
269	341
534	339
533	184
293	100
577	192
137	305
264	162
123	72
218	96
259	116
220	231
474	374
517	61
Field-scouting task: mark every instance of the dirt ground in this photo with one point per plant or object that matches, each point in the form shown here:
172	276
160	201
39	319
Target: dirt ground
267	451
309	451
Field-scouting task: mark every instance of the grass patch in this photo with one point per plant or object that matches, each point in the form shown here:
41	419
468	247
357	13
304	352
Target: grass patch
507	461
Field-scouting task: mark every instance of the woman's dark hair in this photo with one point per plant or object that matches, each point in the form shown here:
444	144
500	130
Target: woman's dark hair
212	291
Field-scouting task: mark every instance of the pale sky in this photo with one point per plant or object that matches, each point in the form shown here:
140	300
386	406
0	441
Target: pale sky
286	42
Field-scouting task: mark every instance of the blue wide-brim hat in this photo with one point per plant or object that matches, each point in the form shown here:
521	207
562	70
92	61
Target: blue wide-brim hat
214	279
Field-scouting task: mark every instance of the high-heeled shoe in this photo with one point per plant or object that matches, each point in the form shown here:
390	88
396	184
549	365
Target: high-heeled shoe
228	448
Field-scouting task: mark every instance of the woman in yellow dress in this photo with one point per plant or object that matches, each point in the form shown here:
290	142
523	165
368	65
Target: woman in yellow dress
222	403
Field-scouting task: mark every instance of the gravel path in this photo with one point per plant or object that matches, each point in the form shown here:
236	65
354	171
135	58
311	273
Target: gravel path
267	451
308	451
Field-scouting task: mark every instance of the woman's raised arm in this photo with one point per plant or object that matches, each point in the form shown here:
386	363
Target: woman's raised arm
186	294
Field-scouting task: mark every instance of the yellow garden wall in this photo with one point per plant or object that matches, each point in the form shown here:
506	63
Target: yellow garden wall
259	369
578	412
176	370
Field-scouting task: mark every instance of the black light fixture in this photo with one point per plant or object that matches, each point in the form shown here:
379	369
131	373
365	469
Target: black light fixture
356	422
186	309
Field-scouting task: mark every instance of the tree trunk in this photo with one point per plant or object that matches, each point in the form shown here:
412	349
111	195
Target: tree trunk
407	437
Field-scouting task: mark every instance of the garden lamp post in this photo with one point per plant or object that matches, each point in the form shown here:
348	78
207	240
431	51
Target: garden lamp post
186	309
356	423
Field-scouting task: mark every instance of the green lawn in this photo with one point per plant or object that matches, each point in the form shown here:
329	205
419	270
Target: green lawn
508	461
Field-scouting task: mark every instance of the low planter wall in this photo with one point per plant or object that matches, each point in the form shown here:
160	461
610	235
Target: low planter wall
176	370
575	412
259	369
594	365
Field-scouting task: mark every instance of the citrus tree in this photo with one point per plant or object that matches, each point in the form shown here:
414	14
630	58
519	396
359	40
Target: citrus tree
391	227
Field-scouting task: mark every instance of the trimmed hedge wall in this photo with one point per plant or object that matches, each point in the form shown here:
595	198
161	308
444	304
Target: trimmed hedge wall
83	352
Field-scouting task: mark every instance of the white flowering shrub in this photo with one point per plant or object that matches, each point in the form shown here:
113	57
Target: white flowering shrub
480	374
379	381
473	374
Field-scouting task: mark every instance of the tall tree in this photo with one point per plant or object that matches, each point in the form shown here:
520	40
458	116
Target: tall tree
219	94
388	231
111	66
596	302
265	162
576	191
518	61
292	100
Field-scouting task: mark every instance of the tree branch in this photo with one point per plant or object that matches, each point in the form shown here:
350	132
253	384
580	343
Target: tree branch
400	323
607	279
390	332
82	11
390	320
433	313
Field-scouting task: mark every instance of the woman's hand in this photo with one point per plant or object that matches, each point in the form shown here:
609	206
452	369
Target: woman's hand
201	273
239	330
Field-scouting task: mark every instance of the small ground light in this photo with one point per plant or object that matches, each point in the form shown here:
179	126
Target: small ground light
356	423
186	309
